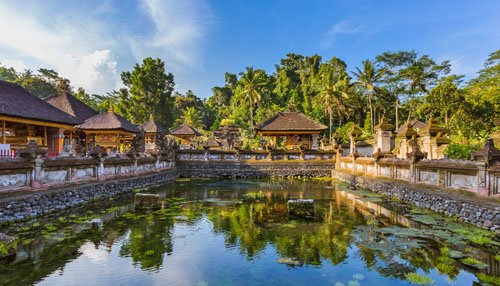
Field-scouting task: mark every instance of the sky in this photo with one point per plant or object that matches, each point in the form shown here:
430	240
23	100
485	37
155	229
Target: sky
91	42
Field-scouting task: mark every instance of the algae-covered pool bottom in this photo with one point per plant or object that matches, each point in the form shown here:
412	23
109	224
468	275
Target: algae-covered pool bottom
243	232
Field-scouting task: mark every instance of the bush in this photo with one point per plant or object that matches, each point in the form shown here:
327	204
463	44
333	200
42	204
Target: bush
460	151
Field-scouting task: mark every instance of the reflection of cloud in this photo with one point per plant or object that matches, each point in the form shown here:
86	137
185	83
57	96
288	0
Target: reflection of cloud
97	256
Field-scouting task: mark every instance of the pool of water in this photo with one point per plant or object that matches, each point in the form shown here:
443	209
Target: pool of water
247	232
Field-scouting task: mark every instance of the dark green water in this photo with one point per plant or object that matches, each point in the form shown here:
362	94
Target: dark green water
242	233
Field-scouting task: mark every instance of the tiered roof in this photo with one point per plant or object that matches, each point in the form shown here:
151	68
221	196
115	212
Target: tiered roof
71	105
290	121
108	121
153	127
15	101
185	130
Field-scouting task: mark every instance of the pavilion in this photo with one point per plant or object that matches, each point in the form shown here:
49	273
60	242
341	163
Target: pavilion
152	130
185	133
25	117
110	131
69	104
299	130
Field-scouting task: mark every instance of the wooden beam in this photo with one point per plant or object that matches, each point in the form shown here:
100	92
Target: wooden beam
45	143
36	122
4	138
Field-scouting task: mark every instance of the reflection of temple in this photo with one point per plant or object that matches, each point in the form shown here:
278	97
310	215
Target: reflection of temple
298	130
110	131
25	118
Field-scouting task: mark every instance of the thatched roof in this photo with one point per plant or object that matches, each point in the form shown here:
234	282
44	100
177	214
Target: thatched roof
415	124
290	121
185	130
71	105
108	121
15	101
153	127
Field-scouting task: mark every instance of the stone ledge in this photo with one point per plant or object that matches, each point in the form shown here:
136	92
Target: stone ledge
39	203
479	211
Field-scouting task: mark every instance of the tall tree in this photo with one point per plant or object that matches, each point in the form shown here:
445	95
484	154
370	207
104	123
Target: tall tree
251	82
333	84
367	79
150	88
394	63
421	75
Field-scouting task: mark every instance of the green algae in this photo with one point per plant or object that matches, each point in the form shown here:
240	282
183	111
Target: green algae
474	263
418	279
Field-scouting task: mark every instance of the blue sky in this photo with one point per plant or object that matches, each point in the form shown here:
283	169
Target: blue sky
92	42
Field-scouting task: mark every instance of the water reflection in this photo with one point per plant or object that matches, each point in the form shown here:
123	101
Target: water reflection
234	232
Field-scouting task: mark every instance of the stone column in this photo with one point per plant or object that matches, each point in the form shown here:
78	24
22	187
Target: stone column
384	134
314	141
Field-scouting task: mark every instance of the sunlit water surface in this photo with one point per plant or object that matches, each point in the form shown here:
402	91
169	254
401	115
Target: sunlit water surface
242	233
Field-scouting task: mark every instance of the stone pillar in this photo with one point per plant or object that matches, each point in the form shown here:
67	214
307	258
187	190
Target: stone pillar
384	134
38	173
314	141
433	136
100	168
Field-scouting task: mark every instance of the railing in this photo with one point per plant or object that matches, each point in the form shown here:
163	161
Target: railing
254	155
8	154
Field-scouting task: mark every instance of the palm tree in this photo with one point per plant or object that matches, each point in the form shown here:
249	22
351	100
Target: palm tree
191	116
367	80
251	82
333	94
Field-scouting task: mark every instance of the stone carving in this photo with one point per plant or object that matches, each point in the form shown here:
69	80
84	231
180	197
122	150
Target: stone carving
489	154
98	152
32	151
414	154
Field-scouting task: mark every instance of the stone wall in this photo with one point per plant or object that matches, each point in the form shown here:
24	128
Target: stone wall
479	213
472	176
40	173
216	169
37	204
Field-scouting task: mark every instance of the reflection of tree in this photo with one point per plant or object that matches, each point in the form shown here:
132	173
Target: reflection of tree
149	239
254	225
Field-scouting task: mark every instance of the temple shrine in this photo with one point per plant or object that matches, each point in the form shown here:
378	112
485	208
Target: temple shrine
298	130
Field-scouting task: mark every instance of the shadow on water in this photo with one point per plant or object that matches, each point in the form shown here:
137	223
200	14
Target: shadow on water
352	235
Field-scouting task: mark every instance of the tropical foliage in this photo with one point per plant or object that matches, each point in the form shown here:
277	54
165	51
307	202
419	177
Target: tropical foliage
401	85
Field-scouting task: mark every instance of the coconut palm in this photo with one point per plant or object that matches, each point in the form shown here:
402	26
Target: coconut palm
191	116
251	82
367	80
333	95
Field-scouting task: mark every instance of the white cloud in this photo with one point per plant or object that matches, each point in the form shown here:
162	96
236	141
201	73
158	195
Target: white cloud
180	27
64	46
84	47
343	27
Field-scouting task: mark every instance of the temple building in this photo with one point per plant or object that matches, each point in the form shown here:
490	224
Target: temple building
186	134
434	139
64	101
152	131
229	136
110	131
298	130
415	124
25	117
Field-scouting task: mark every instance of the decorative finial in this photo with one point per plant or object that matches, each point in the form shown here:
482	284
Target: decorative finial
110	108
151	118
